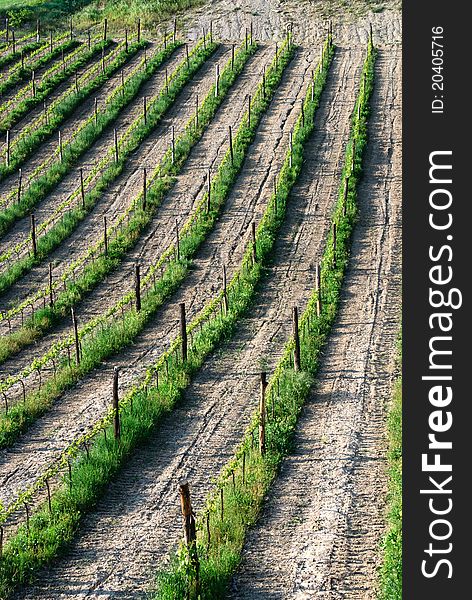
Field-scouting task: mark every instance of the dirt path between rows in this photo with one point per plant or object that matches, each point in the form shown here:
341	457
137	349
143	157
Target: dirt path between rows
125	540
320	530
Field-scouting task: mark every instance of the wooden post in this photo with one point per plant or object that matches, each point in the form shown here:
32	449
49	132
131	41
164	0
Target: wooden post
22	54
264	82
225	290
20	180
76	77
183	331
33	84
115	136
126	41
249	100
196	111
103	60
262	414
13	41
49	496
246	40
51	291
145	109
175	31
303	113
188	58
137	285
50	41
173	144
254	249
276	56
371	37
346	190
89	40
190	530
290	143
209	191
296	339
105	235
59	135
177	239
95	109
250	38
211	32
33	235
232	57
105	27
144	188
82	189
318	290
167	81
116	408
217	80
38	30
76	336
8	148
353	155
139	31
71	30
334	244
231	144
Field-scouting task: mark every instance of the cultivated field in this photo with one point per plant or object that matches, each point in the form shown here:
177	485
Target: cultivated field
200	253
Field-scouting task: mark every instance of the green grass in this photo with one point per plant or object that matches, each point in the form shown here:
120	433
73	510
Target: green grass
391	570
49	531
286	393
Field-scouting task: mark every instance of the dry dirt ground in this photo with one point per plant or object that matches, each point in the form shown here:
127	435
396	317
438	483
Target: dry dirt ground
326	547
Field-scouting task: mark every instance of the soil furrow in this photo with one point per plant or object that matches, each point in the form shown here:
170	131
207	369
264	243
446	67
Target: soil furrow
201	434
325	543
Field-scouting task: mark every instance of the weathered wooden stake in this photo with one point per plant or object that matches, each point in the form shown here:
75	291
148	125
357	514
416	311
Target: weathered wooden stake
33	235
353	155
222	504
254	248
207	530
371	37
291	149
126	41
13	41
8	148
232	56
137	285
250	38
95	109
303	113
173	144
188	58
196	111
116	408
20	180
71	33
144	188
167	81
264	82
209	191
175	31
27	519
190	530
211	32
346	190
89	39
105	28
145	109
33	84
246	40
318	289
105	235
334	244
183	331
249	100
225	290
177	239
139	31
38	30
231	151
51	291
49	496
115	136
244	467
296	338
76	336
82	188
262	414
217	80
59	136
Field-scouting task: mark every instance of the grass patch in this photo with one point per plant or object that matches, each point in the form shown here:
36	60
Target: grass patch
391	571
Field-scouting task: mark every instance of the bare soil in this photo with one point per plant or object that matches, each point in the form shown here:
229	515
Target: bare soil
323	546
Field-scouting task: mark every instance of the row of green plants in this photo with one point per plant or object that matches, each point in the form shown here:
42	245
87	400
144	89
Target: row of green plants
142	408
24	100
176	267
29	49
40	129
246	479
32	133
102	174
21	72
391	572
